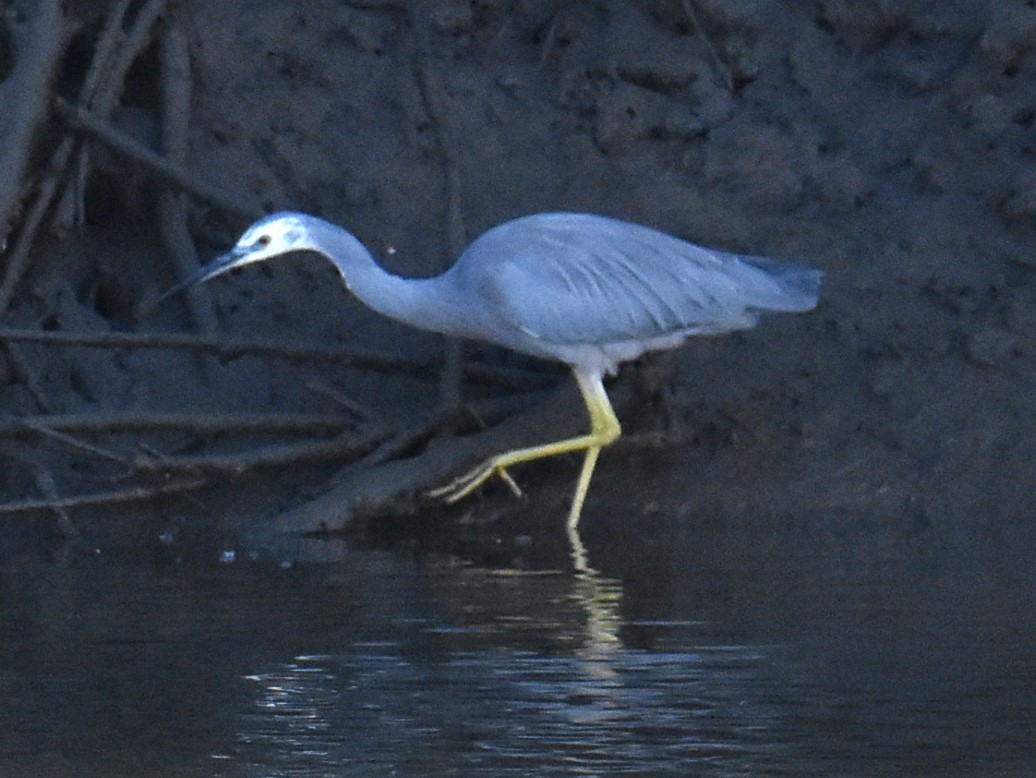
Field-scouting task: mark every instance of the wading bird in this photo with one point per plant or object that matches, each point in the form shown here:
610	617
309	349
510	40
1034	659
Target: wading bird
577	288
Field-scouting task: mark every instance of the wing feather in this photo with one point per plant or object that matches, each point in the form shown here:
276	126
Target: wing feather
585	279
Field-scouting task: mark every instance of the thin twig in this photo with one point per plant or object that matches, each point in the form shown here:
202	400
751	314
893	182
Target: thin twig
25	98
440	420
193	423
429	81
172	206
102	498
107	86
45	483
408	438
18	259
176	94
27	376
331	394
56	171
341	447
121	143
229	347
104	53
111	63
367	450
363	490
511	377
109	90
34	425
717	63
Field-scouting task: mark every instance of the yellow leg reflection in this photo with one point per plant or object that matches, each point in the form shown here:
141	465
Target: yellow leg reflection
604	429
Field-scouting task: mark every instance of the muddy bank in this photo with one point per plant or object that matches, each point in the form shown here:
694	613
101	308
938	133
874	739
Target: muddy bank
890	145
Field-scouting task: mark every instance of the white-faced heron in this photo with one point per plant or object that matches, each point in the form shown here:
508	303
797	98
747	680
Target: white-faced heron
578	288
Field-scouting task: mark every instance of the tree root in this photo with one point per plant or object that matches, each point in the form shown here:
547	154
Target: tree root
100	91
26	104
383	485
102	498
218	344
193	423
175	175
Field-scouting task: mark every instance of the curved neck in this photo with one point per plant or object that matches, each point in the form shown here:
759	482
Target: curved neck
423	303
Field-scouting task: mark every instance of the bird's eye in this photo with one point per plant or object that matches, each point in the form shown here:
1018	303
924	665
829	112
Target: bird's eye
263	240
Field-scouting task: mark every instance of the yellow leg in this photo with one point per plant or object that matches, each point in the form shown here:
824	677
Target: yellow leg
582	486
604	429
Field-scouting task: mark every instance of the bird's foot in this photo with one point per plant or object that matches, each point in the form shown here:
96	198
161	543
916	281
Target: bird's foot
461	487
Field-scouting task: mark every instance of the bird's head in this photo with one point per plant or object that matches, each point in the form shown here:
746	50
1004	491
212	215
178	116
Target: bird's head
271	236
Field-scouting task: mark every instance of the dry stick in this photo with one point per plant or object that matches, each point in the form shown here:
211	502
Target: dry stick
443	418
717	62
25	95
27	376
406	439
103	498
273	456
18	260
267	456
121	143
368	360
276	456
106	88
103	56
362	492
172	206
58	165
45	483
549	39
193	423
331	394
434	97
32	424
221	345
51	426
105	50
123	340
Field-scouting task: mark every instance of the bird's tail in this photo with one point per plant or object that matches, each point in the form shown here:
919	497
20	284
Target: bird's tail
793	288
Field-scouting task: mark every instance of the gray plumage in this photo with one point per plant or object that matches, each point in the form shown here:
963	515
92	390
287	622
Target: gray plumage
573	287
578	288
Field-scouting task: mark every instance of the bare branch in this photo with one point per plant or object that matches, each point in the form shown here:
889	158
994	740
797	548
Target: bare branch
172	206
341	447
116	52
429	81
123	144
219	345
193	423
511	377
25	97
102	498
45	483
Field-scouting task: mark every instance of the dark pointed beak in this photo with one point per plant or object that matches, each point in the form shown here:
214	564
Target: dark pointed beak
216	267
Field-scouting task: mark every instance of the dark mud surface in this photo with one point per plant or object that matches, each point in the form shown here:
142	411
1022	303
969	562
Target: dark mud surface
889	144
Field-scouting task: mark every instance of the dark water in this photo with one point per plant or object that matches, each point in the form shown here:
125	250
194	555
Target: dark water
690	655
